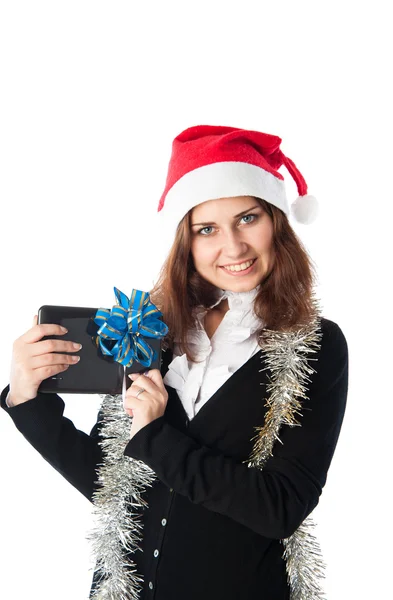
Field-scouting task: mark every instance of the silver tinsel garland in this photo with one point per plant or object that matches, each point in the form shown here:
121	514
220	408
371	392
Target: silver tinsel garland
286	356
122	480
118	528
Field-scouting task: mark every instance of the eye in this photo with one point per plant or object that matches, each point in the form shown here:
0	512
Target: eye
243	217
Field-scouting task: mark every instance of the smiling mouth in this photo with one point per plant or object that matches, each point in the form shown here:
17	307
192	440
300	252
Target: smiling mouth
239	270
237	264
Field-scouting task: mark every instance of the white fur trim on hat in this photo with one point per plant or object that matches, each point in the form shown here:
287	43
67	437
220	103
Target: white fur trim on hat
221	180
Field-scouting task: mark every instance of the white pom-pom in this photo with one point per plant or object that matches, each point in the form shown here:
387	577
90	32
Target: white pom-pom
305	209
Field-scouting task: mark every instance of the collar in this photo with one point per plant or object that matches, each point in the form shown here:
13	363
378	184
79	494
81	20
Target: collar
236	300
244	320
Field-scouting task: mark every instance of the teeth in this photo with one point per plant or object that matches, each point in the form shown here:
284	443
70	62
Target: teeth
241	267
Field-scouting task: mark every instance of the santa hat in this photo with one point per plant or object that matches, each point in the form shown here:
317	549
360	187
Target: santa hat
210	162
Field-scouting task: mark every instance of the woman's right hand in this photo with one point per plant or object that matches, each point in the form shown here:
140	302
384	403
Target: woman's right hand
34	360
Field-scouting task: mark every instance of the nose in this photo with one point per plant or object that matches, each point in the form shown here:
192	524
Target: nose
234	246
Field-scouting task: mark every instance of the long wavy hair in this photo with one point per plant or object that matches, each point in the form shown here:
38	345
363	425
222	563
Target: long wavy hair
283	301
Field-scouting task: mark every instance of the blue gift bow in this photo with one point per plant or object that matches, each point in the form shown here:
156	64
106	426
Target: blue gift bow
129	322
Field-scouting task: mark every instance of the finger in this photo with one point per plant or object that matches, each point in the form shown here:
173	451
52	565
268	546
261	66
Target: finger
37	332
155	376
131	403
52	345
35	320
143	382
133	400
51	359
135	376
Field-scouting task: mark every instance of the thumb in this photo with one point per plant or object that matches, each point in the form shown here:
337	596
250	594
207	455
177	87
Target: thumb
35	320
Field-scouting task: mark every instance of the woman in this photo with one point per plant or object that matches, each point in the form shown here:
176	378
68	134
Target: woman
231	441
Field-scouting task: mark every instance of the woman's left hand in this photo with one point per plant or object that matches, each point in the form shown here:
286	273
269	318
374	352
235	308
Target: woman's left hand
149	405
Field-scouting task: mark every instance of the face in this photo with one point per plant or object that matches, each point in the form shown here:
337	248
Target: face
219	237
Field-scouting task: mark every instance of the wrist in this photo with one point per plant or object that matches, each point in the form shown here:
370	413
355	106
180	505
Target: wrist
8	400
12	401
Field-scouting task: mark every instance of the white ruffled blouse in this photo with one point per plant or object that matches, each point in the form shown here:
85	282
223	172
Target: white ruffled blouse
234	342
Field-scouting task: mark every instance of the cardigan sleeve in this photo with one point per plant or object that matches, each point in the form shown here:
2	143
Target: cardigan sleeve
274	501
73	453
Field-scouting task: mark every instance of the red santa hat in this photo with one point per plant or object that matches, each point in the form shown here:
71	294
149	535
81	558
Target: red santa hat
212	161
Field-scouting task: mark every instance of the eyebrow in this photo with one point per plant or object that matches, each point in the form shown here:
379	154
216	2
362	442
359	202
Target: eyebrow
235	216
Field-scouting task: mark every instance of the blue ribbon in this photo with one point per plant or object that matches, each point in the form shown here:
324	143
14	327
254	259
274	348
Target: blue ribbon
128	323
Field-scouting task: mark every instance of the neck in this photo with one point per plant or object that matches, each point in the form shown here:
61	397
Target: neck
223	307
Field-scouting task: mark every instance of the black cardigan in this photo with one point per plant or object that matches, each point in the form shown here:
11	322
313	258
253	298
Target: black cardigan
213	525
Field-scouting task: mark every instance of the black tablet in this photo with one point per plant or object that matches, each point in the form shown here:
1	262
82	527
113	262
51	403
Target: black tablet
95	373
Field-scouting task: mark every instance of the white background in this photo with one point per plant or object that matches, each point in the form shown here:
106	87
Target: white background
92	94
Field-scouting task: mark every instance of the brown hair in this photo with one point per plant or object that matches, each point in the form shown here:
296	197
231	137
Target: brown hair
283	302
